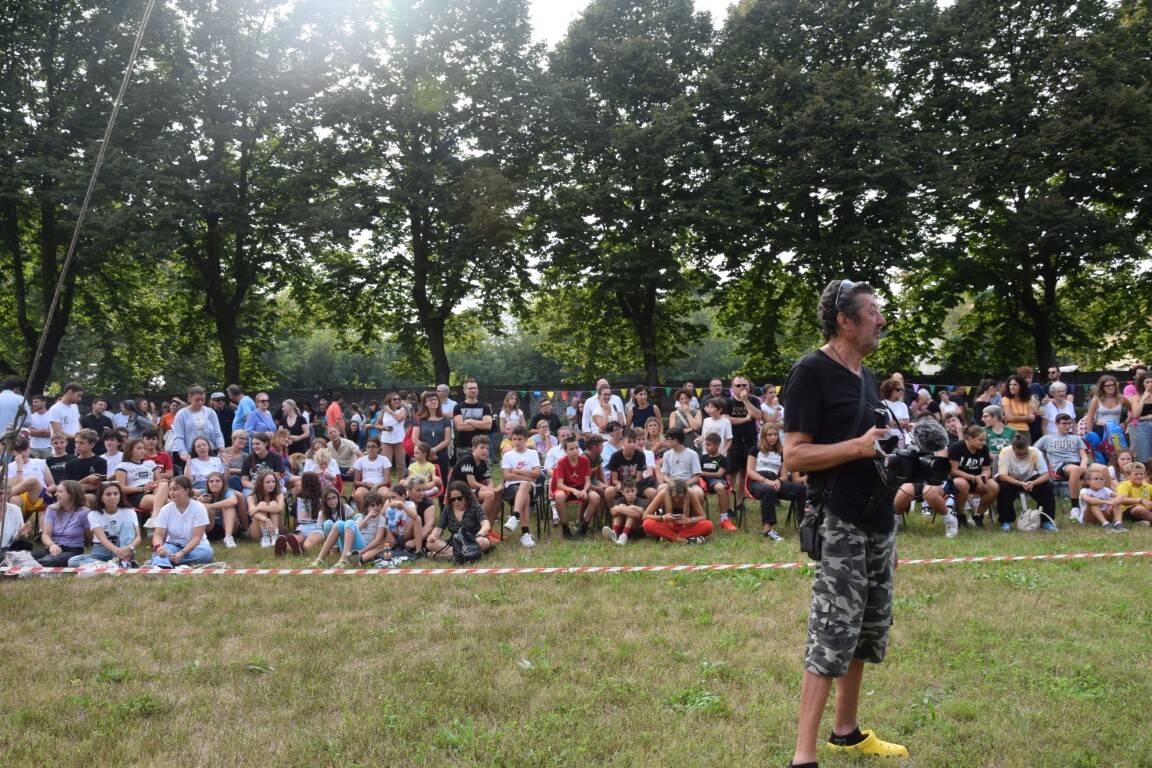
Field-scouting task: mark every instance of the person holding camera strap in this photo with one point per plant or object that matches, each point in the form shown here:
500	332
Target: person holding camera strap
827	437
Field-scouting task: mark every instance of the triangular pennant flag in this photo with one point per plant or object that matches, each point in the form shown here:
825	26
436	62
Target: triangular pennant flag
551	393
563	395
699	391
536	394
624	394
932	388
668	390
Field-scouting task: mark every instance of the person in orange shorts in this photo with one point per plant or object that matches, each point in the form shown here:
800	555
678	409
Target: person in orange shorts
676	515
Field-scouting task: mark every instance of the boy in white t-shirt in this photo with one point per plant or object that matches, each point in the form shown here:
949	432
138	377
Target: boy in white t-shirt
521	469
716	423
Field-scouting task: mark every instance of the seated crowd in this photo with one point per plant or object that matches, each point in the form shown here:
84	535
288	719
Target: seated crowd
412	476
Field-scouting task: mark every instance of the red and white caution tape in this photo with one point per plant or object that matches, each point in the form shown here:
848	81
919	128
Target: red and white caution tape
560	571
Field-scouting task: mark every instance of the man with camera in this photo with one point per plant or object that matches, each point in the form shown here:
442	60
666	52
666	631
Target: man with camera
831	434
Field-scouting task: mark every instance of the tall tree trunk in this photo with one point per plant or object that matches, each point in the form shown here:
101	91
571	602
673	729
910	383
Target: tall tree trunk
221	306
58	322
432	317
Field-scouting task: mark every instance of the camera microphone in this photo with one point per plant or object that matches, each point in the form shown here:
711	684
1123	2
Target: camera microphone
929	435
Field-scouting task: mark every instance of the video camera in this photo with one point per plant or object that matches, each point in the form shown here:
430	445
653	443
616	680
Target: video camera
908	465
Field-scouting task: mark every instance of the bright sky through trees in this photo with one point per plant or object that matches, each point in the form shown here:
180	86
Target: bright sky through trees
550	18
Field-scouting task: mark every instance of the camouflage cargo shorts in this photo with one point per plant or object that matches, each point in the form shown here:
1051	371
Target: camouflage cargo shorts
851	599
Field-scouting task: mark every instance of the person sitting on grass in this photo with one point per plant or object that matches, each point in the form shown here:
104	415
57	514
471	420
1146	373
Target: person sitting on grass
114	532
472	470
572	481
66	527
521	468
402	525
676	515
598	485
461	513
1136	494
351	532
714	474
413	490
1068	459
309	510
266	508
972	471
370	472
627	514
223	505
768	480
139	479
1022	469
1100	503
179	538
16	531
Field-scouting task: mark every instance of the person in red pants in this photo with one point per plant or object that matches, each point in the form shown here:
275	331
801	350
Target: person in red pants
676	515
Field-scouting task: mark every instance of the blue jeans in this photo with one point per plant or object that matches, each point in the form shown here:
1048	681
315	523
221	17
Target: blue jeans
202	553
1142	441
343	526
100	553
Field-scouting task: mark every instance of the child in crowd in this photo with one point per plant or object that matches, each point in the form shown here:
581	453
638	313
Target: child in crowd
1098	502
350	534
677	515
113	440
223	505
718	423
267	507
424	471
1136	494
627	513
114	532
309	518
521	469
370	472
571	481
714	472
403	527
60	458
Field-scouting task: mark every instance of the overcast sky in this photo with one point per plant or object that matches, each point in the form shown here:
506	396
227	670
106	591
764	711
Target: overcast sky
552	17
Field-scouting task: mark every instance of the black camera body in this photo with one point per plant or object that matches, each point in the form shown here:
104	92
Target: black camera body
909	465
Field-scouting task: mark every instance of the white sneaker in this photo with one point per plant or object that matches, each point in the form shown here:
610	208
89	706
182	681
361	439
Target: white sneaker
951	526
230	542
512	523
555	515
182	569
1076	514
622	539
527	541
609	533
265	541
150	523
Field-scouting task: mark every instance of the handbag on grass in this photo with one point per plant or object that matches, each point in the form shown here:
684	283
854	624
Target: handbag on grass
464	548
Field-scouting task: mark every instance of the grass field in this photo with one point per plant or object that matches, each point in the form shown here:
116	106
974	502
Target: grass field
1011	664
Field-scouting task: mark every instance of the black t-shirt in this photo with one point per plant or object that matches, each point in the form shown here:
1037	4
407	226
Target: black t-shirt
744	434
640	415
78	468
270	463
553	420
225	416
822	399
470	411
468	466
97	424
714	463
970	463
58	466
628	469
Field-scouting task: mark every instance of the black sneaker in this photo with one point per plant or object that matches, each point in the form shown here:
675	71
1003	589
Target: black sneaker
566	532
978	520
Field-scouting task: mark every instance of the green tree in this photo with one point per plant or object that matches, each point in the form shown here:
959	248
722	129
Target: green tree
59	61
814	170
1012	94
436	138
617	173
240	187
